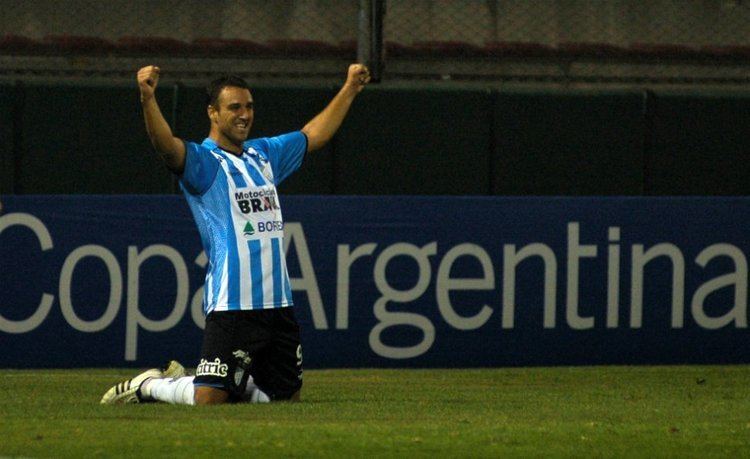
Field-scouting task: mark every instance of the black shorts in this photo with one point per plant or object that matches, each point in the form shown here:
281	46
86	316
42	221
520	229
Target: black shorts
263	343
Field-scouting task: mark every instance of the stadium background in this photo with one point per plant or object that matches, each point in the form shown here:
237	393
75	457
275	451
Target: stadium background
530	91
476	98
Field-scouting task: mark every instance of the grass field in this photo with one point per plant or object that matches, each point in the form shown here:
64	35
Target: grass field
590	411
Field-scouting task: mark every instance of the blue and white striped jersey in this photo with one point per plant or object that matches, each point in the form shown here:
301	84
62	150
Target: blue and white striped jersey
237	210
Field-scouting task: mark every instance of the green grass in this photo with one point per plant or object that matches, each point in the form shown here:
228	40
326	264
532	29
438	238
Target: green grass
596	411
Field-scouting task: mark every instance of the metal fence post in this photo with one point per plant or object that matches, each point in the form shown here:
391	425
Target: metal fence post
370	36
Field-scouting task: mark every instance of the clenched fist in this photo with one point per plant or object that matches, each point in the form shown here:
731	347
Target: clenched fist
148	77
358	76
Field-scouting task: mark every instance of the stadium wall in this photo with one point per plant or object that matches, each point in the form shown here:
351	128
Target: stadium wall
391	281
398	141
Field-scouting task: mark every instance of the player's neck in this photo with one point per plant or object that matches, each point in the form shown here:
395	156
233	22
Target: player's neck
226	144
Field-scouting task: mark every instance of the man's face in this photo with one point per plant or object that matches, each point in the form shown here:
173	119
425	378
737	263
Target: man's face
234	114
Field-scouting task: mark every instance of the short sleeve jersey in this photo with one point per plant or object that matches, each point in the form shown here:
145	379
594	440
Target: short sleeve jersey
236	207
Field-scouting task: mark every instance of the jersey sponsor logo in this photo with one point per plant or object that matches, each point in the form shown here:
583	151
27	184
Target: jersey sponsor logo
215	368
269	226
256	201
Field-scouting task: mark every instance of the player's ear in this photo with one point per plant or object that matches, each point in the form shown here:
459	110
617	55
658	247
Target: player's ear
212	113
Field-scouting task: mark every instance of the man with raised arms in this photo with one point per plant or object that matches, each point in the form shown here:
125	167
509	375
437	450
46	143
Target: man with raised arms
251	347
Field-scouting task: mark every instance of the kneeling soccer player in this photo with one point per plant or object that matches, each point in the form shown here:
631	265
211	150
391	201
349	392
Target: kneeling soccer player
251	346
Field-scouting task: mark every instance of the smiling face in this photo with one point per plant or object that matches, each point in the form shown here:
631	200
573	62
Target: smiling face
231	117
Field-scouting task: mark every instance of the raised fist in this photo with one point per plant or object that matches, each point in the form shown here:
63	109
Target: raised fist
358	76
148	77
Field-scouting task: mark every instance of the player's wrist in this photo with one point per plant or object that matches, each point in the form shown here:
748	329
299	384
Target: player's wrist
351	88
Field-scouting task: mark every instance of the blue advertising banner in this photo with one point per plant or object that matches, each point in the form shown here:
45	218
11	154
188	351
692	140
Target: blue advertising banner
390	281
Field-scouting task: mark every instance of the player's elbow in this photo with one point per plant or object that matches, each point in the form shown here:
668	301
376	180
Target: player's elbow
315	138
172	153
174	163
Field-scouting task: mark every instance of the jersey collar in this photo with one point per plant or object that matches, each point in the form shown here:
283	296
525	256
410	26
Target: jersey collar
212	145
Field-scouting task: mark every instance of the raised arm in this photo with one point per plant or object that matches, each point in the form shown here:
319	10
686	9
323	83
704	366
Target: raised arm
170	148
321	128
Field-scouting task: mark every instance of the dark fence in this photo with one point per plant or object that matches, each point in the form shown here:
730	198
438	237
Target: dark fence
562	41
396	141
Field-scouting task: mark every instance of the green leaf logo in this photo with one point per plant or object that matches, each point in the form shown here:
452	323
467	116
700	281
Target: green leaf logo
249	230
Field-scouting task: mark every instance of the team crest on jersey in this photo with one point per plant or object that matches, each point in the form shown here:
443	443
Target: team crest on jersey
265	167
267	173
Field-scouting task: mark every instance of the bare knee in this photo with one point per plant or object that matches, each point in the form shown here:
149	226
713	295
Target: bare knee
210	396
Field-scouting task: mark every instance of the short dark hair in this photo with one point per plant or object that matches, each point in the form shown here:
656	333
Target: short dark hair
214	88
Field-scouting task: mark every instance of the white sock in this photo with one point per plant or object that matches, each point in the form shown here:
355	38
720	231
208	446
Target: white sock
253	394
258	396
176	391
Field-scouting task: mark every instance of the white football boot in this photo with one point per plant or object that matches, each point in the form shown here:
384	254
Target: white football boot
128	391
